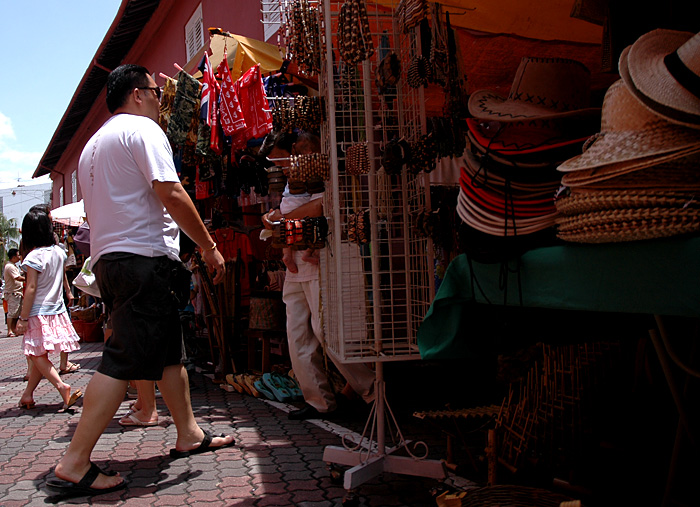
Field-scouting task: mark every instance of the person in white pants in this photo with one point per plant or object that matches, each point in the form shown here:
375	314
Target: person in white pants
301	295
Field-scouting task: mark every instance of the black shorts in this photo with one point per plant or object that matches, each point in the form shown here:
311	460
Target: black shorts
146	331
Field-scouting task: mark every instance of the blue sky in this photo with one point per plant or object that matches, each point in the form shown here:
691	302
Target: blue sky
46	46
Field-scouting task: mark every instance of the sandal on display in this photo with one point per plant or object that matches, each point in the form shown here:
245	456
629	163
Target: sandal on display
131	420
291	386
262	389
230	380
205	446
277	388
241	382
84	487
70	368
250	383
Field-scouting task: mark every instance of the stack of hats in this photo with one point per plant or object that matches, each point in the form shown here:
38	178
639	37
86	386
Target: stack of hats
638	178
508	184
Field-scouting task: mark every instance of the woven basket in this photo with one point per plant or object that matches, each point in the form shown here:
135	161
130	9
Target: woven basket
512	496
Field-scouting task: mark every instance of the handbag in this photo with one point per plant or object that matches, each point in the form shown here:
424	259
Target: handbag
85	280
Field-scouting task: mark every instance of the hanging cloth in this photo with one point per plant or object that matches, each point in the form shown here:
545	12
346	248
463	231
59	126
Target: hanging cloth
185	105
232	119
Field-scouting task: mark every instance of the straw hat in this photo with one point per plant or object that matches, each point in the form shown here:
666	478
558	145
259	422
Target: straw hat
580	202
542	88
630	132
641	230
628	224
662	69
669	171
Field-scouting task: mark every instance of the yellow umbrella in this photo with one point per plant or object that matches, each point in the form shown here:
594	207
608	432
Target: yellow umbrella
242	52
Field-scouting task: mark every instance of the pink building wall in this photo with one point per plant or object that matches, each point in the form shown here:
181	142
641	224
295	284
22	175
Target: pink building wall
160	45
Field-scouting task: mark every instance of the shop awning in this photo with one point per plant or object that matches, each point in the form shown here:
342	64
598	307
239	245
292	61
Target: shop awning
534	19
72	214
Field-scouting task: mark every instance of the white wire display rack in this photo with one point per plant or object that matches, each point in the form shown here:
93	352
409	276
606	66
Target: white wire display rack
376	294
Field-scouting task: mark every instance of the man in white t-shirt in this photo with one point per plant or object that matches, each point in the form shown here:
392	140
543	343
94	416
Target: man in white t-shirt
134	202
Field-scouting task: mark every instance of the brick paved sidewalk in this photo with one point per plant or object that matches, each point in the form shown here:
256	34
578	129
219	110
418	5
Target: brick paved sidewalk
275	461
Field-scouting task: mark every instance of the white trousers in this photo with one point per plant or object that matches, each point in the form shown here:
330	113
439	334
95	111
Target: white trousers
305	336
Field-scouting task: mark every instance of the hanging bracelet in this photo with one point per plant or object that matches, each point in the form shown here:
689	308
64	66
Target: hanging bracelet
213	247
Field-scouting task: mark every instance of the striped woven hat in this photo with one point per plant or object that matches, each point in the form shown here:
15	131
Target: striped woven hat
628	224
631	136
586	201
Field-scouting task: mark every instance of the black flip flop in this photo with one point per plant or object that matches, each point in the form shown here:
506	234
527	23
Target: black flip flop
203	447
84	487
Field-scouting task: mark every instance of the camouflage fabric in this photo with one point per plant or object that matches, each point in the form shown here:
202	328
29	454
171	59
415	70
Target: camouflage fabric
185	106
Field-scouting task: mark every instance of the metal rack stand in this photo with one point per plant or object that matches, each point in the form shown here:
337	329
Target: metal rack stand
374	295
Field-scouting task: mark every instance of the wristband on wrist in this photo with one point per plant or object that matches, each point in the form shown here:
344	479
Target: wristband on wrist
23	320
213	247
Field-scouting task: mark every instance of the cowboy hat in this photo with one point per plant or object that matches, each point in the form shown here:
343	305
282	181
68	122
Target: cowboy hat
542	88
662	69
630	132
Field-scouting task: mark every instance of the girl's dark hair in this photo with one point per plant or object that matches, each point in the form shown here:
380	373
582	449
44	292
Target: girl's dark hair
122	81
37	230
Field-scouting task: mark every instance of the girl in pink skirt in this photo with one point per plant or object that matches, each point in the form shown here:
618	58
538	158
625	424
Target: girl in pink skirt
44	320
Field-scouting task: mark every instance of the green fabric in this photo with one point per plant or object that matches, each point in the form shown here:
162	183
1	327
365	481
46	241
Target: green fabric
660	277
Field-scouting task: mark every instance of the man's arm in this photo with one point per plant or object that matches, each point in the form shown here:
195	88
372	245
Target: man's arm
310	209
181	208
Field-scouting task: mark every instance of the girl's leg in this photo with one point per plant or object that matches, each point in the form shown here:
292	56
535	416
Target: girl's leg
44	366
65	366
35	377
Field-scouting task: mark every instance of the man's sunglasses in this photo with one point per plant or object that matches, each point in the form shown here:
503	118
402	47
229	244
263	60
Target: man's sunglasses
154	88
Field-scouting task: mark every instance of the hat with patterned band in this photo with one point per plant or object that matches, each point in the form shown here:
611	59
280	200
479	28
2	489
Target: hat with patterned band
542	88
662	69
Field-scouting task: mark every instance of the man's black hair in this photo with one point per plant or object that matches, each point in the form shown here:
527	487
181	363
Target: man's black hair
122	81
12	252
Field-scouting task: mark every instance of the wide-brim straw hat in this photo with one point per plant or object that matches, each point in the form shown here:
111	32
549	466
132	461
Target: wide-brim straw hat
628	225
669	171
580	202
629	133
542	88
662	69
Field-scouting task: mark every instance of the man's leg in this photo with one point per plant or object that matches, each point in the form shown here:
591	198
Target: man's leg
305	350
102	398
175	389
144	407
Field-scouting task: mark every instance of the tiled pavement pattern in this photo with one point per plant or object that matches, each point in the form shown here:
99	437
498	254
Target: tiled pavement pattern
275	461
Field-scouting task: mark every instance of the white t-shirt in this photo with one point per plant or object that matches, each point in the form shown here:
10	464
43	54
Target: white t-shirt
116	171
49	262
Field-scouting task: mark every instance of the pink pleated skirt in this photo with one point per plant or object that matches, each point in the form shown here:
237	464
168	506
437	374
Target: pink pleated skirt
50	333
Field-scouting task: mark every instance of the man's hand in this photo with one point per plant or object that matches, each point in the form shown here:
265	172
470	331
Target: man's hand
215	262
271	216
